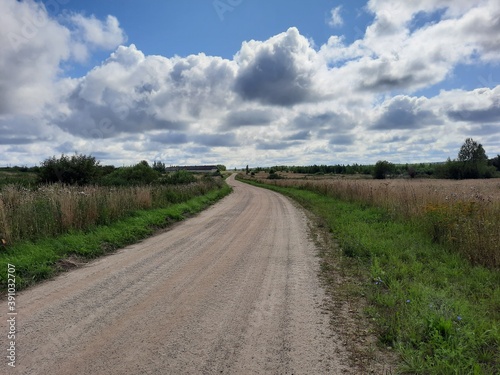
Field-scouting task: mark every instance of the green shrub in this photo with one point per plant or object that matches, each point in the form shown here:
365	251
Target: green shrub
382	169
178	177
139	174
74	170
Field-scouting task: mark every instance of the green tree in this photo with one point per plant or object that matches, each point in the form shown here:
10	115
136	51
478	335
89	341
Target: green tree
159	166
473	159
472	152
382	169
495	162
78	169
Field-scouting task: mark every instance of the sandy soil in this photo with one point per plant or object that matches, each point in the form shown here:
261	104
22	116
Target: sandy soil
233	290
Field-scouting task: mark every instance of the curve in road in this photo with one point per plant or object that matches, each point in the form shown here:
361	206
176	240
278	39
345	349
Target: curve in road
233	290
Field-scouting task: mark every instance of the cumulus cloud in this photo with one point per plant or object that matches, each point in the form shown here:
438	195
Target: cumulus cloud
33	47
102	34
284	96
394	56
279	71
137	93
477	106
402	112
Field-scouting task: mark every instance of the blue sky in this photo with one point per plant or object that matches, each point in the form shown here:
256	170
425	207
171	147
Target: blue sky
187	27
248	82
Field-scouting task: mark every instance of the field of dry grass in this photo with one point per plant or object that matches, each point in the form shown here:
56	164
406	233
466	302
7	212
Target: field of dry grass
50	210
463	214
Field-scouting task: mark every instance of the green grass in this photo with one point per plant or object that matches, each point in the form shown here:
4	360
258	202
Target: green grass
437	310
26	179
36	261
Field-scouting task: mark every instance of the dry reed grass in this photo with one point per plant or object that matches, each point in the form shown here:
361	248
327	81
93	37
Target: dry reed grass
56	209
463	214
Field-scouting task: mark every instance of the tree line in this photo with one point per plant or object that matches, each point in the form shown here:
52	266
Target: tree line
79	169
471	162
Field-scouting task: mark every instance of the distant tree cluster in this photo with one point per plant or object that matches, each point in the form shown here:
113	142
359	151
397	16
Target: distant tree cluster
83	169
320	169
472	162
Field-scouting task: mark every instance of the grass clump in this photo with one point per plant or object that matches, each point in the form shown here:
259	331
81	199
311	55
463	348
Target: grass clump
438	310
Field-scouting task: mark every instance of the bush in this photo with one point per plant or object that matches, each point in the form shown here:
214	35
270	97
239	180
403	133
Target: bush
382	168
139	174
74	170
460	170
179	177
273	176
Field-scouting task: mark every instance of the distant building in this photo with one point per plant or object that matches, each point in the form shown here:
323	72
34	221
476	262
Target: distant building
193	168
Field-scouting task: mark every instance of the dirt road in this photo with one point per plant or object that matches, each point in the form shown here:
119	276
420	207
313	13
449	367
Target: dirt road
233	290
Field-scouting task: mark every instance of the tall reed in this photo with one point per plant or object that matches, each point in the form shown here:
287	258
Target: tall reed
50	210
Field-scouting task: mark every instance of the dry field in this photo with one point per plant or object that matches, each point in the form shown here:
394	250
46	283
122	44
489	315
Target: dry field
463	214
50	210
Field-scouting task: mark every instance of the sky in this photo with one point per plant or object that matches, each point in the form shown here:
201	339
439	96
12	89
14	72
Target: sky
248	82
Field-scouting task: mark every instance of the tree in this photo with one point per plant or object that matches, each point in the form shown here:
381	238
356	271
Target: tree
411	171
78	169
159	166
471	151
382	168
495	162
473	159
247	170
472	162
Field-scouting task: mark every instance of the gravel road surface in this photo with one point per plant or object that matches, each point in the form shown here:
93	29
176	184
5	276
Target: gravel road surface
233	290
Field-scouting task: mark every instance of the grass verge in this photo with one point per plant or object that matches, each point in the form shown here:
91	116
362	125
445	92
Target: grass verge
437	310
42	259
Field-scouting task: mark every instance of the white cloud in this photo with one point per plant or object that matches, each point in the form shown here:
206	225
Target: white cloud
279	71
33	47
105	35
293	103
335	17
137	93
390	56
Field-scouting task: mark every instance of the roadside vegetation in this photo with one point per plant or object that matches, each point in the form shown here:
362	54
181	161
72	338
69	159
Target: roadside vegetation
463	216
430	280
73	207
